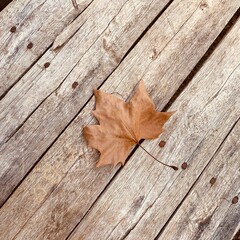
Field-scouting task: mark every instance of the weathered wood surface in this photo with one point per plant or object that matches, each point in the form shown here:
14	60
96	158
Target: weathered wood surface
65	101
47	94
142	197
64	185
4	3
37	22
208	212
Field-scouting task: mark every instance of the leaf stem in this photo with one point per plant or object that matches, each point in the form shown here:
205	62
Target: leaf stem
74	2
171	166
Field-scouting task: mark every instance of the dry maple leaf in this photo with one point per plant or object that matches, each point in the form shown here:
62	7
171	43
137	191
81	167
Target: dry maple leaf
123	124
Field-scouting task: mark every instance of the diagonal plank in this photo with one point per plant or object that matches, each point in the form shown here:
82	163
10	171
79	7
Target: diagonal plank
208	212
89	56
64	103
144	195
55	166
103	36
74	195
64	184
37	22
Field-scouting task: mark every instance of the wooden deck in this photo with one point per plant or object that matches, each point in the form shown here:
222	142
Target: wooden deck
54	53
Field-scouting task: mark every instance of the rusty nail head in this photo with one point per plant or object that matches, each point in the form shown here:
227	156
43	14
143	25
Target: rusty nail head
30	45
74	85
184	165
47	64
13	29
162	144
235	200
213	180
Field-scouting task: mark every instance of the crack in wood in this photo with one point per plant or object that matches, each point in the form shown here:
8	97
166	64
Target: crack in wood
40	56
195	182
237	236
204	58
62	132
54	91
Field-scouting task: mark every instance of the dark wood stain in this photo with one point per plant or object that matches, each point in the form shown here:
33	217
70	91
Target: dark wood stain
154	54
228	224
202	225
137	204
109	49
205	222
203	6
59	216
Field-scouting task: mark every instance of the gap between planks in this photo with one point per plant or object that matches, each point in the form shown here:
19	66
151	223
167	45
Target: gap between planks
196	181
181	88
210	209
39	56
124	56
54	90
201	62
237	236
217	149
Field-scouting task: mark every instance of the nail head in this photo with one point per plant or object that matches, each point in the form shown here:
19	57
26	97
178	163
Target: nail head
162	144
13	29
30	45
74	85
184	165
213	180
235	200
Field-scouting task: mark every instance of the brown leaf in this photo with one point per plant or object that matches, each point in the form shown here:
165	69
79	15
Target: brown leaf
123	124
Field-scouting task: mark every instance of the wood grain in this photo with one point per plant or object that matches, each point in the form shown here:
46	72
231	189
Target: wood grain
105	32
38	22
103	36
64	184
208	212
143	196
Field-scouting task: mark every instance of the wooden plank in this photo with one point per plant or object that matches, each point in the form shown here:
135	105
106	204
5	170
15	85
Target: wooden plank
65	183
237	235
37	22
208	212
4	3
58	111
143	196
105	37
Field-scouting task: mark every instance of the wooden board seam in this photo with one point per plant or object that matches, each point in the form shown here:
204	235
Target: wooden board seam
165	109
204	58
218	40
190	190
42	54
